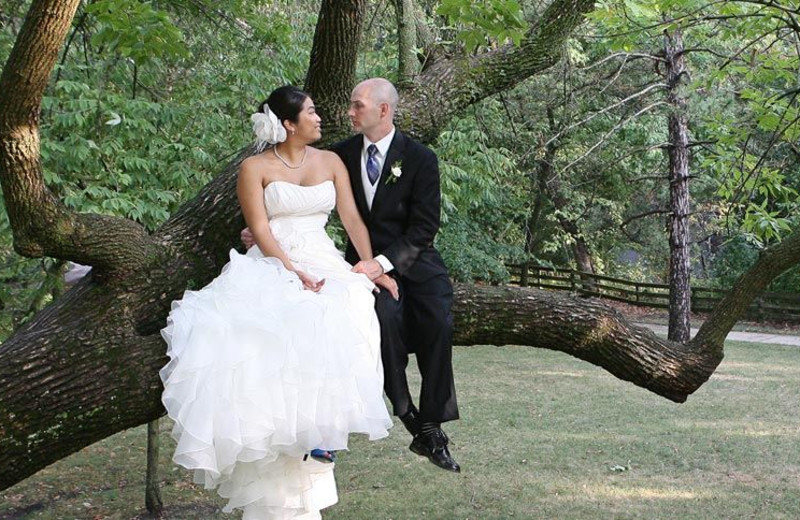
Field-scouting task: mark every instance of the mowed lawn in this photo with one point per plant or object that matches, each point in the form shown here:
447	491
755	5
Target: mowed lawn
542	435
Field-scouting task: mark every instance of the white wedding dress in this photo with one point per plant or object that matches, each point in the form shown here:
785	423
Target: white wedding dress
262	371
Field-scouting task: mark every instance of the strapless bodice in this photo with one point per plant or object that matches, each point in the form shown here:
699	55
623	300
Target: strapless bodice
284	199
297	217
298	214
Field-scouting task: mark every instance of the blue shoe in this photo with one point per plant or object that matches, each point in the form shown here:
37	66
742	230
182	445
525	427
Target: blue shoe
323	455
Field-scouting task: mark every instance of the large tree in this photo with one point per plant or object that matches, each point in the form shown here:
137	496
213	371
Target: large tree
87	365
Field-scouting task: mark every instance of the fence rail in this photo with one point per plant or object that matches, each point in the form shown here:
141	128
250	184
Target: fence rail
784	307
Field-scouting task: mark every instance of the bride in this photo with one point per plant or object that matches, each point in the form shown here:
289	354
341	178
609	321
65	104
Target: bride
280	354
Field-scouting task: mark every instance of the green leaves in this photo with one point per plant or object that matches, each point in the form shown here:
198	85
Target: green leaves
480	204
135	30
479	22
106	151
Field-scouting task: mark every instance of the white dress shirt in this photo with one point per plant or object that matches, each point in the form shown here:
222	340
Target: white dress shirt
369	188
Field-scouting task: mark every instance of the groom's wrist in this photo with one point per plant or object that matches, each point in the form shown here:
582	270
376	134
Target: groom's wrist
384	262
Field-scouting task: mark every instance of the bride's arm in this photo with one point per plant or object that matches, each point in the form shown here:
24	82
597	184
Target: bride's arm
354	225
250	190
348	213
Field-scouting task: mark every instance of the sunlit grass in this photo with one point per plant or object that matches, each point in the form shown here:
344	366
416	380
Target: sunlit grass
542	435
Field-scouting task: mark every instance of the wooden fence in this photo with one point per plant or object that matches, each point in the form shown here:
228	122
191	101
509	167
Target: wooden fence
777	307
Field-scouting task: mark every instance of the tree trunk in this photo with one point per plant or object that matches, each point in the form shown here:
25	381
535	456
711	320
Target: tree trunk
407	64
680	295
87	366
533	225
580	249
550	179
336	43
152	493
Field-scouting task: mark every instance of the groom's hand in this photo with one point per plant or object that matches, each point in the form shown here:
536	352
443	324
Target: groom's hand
371	268
247	238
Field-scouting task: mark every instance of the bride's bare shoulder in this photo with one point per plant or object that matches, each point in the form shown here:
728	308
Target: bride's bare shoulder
329	157
256	165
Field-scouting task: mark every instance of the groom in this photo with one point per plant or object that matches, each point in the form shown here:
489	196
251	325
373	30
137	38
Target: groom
396	187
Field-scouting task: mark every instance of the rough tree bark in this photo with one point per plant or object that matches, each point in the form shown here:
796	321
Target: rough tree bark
407	64
42	226
336	42
449	85
680	292
87	365
152	493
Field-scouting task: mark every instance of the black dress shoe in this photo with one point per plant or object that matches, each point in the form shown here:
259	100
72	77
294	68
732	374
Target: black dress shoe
434	446
411	421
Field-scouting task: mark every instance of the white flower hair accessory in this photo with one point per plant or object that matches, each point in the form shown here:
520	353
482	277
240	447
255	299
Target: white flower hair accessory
268	128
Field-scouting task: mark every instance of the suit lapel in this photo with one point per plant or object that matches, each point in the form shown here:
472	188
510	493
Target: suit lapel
353	158
395	154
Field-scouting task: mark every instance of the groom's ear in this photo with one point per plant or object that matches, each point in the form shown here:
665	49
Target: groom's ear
385	109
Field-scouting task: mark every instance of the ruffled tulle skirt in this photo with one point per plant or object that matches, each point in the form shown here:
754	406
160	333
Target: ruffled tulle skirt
262	371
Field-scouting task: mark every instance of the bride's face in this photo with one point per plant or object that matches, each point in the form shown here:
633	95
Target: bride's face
308	126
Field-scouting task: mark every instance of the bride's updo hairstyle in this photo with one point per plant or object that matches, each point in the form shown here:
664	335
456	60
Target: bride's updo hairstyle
285	102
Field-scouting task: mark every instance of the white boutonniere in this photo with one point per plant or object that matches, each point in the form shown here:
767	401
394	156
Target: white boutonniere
397	171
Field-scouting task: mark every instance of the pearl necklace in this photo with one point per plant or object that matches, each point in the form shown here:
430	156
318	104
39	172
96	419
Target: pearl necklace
281	159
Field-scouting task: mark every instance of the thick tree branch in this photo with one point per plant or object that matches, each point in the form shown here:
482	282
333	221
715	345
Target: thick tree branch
450	85
49	409
586	329
42	226
426	37
771	263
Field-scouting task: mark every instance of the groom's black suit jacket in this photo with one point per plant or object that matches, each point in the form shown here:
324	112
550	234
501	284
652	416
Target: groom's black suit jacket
405	212
402	224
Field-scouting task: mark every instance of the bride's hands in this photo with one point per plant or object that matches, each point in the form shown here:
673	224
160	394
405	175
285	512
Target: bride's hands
309	282
388	283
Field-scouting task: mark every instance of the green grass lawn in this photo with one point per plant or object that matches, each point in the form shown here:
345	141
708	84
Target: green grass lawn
542	435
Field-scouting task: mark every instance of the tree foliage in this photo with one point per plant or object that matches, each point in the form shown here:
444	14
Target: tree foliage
146	103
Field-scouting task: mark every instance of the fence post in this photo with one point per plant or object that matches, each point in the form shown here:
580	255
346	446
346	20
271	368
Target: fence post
523	276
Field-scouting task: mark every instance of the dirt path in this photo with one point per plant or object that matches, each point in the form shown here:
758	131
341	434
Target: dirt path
751	337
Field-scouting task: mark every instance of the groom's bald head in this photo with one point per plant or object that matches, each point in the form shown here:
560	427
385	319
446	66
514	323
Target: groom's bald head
381	91
372	107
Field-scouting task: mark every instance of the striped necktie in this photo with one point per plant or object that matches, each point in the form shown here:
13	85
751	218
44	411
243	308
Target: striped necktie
373	171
